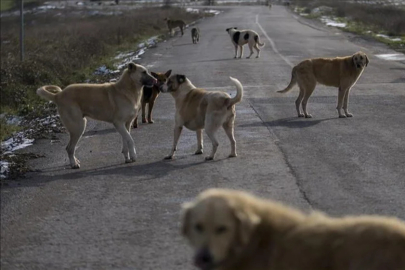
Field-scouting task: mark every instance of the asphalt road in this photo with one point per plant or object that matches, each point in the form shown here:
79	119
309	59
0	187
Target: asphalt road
110	215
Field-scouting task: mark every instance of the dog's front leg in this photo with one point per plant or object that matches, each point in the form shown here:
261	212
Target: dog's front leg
150	107
236	51
199	142
241	51
346	103
128	145
341	96
177	132
144	112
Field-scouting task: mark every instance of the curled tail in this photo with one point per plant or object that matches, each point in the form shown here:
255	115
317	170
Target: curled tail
46	94
239	92
292	82
258	41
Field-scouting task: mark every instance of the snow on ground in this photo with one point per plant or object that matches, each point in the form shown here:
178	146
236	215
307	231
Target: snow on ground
332	22
392	56
389	38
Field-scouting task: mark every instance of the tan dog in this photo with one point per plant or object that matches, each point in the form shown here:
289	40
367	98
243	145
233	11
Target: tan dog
341	72
197	109
242	37
233	230
150	95
117	103
171	24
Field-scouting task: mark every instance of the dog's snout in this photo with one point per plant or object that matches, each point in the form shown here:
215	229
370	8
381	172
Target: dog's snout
203	258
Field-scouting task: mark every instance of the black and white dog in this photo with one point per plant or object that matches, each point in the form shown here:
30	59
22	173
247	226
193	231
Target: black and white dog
241	37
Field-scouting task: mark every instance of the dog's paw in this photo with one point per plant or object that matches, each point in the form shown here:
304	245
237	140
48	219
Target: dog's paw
209	158
144	121
76	166
168	158
301	115
198	152
349	115
308	116
232	155
151	121
342	116
131	160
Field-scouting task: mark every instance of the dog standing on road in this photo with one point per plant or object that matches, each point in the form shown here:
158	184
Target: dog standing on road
195	35
150	95
241	37
341	72
117	103
233	230
171	24
197	109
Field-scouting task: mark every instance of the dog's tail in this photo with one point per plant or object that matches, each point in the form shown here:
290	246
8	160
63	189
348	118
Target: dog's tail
46	94
239	92
257	39
292	82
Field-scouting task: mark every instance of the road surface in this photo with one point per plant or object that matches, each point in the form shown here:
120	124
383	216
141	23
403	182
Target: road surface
110	215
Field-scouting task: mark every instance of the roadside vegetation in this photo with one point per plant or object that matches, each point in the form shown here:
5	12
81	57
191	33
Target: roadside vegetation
384	22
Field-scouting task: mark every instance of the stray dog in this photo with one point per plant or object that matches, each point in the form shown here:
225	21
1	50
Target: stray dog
150	95
171	24
241	37
195	35
197	109
341	72
117	103
233	230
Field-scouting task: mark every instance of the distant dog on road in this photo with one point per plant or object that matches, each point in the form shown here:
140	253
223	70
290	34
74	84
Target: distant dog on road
195	35
233	230
150	95
197	109
117	103
341	72
241	37
171	24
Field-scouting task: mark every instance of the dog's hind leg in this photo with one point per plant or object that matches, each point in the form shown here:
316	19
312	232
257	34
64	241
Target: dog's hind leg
229	130
211	126
309	88
257	49
241	51
144	112
199	142
251	50
75	127
177	133
298	103
126	139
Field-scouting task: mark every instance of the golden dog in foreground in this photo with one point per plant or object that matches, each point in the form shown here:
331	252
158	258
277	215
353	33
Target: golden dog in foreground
233	230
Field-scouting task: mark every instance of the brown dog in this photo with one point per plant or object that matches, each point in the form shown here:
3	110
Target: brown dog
150	95
341	72
117	103
233	230
171	24
198	109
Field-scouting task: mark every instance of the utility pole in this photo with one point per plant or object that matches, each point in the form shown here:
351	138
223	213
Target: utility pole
22	30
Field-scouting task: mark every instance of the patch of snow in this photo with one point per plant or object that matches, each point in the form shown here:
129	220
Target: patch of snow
18	141
4	165
212	11
321	9
304	14
103	70
392	56
331	22
389	38
192	10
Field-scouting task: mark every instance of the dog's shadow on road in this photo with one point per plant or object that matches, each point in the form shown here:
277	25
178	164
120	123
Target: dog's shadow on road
291	122
137	171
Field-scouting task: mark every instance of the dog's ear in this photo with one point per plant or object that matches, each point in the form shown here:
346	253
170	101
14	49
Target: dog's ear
227	29
167	74
185	218
131	67
247	222
235	28
367	61
181	79
154	74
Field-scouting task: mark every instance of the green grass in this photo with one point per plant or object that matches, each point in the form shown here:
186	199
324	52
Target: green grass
6	5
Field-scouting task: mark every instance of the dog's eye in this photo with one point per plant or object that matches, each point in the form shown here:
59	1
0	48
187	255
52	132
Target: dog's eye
221	229
199	228
361	57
